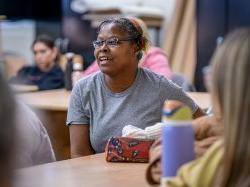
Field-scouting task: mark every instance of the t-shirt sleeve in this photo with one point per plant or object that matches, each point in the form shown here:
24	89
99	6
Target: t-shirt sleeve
171	91
78	111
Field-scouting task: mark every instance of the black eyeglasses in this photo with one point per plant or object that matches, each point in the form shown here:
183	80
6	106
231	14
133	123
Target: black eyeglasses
110	42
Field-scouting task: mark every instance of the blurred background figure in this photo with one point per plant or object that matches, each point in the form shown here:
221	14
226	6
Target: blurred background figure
46	73
24	141
7	134
33	146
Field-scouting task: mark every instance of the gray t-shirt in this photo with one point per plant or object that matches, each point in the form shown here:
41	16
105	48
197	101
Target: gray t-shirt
106	112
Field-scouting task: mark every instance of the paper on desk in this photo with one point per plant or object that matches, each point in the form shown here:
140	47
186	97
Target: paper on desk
151	132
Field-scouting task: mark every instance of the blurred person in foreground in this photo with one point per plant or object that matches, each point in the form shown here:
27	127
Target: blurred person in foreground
226	162
153	59
121	93
46	74
33	146
24	141
7	134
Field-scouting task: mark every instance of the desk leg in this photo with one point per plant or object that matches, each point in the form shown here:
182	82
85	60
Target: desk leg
54	122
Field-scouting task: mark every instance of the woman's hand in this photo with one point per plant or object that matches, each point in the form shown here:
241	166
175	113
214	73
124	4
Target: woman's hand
207	130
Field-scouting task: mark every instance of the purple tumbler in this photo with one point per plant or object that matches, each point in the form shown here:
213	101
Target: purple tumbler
177	137
178	148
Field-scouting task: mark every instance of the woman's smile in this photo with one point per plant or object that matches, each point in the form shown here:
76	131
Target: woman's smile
103	60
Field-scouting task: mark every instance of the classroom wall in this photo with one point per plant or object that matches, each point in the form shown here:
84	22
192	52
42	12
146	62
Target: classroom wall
17	36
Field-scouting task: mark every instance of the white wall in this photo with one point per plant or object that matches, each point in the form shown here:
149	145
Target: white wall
17	37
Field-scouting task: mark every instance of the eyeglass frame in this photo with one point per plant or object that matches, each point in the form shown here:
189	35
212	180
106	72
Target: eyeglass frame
118	40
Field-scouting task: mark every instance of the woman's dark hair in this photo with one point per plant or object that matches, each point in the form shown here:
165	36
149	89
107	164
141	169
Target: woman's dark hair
7	132
133	29
47	40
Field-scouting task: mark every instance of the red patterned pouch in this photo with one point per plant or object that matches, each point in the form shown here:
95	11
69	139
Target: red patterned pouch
125	149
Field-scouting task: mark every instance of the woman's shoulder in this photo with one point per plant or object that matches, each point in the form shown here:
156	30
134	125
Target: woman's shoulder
89	80
56	69
158	78
87	85
27	70
28	67
152	76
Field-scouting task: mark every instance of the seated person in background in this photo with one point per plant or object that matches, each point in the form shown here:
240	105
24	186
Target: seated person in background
154	58
121	93
46	73
7	134
226	163
33	146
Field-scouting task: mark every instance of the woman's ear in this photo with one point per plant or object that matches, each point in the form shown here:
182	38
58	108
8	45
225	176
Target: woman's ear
136	48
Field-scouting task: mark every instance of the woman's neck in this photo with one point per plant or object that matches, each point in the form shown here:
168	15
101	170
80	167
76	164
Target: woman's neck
120	83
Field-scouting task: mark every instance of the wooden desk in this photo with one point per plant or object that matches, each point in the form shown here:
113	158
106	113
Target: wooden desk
19	88
53	100
86	171
57	100
201	98
51	107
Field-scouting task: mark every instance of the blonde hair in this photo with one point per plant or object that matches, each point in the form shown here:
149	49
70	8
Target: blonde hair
231	99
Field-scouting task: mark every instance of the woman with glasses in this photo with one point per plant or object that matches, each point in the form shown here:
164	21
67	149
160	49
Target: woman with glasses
154	59
121	93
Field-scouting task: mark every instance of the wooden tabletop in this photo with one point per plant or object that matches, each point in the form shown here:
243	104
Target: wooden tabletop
201	98
85	171
19	88
58	99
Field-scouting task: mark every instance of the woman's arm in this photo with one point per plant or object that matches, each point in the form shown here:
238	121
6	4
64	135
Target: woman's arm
80	140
